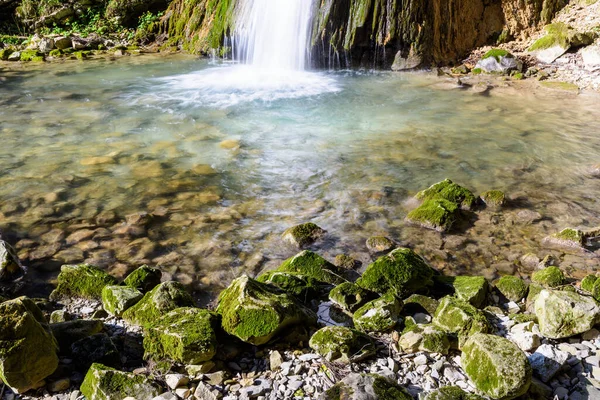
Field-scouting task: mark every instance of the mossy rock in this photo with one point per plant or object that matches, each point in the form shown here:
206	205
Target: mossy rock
562	314
342	344
346	262
449	191
32	55
561	37
144	278
496	366
10	266
451	393
379	315
256	312
568	238
472	289
379	244
117	299
312	265
493	198
366	386
104	383
497	54
522	318
549	277
436	214
401	272
83	280
302	235
350	297
5	53
427	338
422	303
185	335
532	294
303	287
588	283
56	53
28	351
512	287
162	299
69	332
460	318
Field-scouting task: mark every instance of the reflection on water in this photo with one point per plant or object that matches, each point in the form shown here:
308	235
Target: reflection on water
223	161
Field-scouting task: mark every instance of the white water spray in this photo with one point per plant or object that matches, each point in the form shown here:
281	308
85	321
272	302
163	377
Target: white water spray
273	34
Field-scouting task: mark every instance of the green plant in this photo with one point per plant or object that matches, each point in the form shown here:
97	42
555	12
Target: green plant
147	19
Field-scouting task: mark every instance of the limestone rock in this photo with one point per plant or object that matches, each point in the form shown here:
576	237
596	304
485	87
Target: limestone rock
547	361
379	315
28	351
421	303
567	239
303	235
411	61
83	280
496	366
424	338
563	314
342	344
366	387
256	312
117	299
591	56
558	40
512	287
461	318
401	273
144	278
349	297
104	383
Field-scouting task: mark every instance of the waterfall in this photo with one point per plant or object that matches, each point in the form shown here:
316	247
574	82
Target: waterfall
273	34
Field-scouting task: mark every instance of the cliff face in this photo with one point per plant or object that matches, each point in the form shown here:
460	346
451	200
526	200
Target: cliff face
351	33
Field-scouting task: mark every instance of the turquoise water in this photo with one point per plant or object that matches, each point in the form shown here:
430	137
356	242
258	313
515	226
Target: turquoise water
227	157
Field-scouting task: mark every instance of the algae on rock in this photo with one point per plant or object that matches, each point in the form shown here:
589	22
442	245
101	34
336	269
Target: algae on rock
461	318
83	280
10	266
512	287
303	287
472	289
117	299
342	344
302	235
312	265
549	277
104	383
562	314
379	315
356	386
427	338
349	297
143	278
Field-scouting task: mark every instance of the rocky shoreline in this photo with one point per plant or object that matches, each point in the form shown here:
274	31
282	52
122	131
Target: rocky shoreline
312	328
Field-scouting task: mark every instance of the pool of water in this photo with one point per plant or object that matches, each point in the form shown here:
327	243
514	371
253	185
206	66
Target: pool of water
224	158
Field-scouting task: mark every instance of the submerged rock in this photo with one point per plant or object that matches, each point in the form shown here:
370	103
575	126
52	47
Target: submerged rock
461	318
493	198
303	235
83	280
568	238
401	273
312	265
379	244
117	299
349	297
104	383
563	314
28	351
256	313
366	387
342	344
427	338
449	191
436	214
379	315
512	287
144	278
496	366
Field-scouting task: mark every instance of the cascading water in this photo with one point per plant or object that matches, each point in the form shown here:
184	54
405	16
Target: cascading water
273	34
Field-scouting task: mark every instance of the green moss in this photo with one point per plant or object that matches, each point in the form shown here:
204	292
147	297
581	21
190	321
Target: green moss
56	53
302	235
518	76
379	315
4	53
104	383
144	278
341	344
401	273
312	265
385	389
521	318
303	287
566	86
349	296
494	198
461	318
533	292
557	35
449	191
512	287
477	71
472	289
497	54
117	299
588	283
549	277
81	55
418	337
83	280
31	55
427	304
437	214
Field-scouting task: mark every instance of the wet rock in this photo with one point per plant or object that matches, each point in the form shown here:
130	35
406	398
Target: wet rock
549	277
349	297
10	266
379	315
312	265
499	61
566	239
436	214
512	287
345	262
255	312
547	361
62	42
69	255
424	338
304	288
379	244
139	249
366	387
83	280
342	344
449	191
28	351
472	289
117	299
185	335
496	366
144	278
563	314
302	235
461	318
493	198
97	348
68	332
102	382
79	236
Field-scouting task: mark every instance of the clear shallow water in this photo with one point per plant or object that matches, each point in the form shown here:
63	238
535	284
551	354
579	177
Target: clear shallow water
226	159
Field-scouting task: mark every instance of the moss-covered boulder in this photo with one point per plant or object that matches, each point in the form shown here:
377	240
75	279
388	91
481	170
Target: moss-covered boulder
312	265
32	55
256	312
563	314
378	315
588	283
449	191
162	299
421	303
401	272
559	38
512	287
366	387
10	266
68	332
83	280
460	318
302	235
303	287
436	214
472	289
117	299
493	198
28	351
185	335
350	297
342	344
451	393
104	383
379	244
143	278
427	338
567	239
496	366
532	294
549	277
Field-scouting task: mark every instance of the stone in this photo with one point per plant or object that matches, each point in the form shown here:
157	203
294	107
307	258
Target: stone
437	214
451	393
62	42
588	283
184	335
28	351
472	289
59	386
312	265
174	381
526	341
493	199
144	278
69	332
558	40
204	392
461	318
424	338
403	63
256	313
549	277
83	280
379	315
356	386
401	272
449	191
421	302
547	361
117	299
98	348
349	297
104	383
59	316
591	56
499	61
379	244
342	344
563	314
302	235
567	239
496	366
162	299
304	288
10	266
275	360
512	287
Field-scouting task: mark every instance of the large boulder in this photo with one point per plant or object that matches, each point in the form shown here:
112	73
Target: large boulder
559	38
496	366
28	351
472	289
185	335
379	315
162	299
312	265
10	266
512	287
366	387
83	280
460	318
427	338
563	314
401	272
303	287
256	312
143	278
342	344
117	299
302	235
104	383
